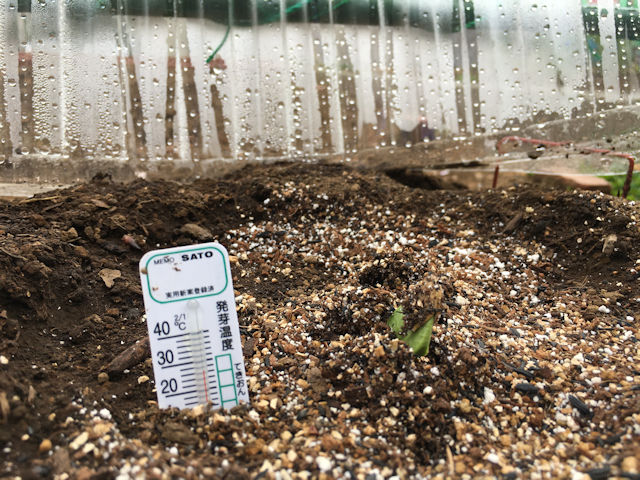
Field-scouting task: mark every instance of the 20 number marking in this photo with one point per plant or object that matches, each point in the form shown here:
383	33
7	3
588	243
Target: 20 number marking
169	386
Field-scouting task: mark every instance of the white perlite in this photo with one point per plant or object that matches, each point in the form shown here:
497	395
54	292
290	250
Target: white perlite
489	396
324	464
104	413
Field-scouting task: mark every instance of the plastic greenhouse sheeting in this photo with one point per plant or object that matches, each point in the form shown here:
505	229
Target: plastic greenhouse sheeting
127	83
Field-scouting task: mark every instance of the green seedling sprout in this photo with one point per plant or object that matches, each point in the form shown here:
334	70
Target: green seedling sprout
418	339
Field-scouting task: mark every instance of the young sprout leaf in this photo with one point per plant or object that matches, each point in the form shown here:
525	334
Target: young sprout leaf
396	321
420	339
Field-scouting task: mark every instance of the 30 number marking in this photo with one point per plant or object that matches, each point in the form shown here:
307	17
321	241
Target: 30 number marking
165	357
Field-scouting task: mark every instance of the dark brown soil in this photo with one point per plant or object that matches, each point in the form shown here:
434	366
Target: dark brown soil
60	325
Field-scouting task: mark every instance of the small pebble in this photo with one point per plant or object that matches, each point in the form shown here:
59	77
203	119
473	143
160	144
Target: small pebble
630	465
143	379
45	446
103	377
489	396
460	300
4	360
79	441
465	405
88	447
577	359
324	464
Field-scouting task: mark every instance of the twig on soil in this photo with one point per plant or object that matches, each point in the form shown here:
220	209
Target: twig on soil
13	255
144	229
519	370
130	357
485	327
560	244
4	407
450	461
580	406
51	207
513	223
39	199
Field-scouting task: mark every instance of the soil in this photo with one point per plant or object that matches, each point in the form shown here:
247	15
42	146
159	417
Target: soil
533	369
